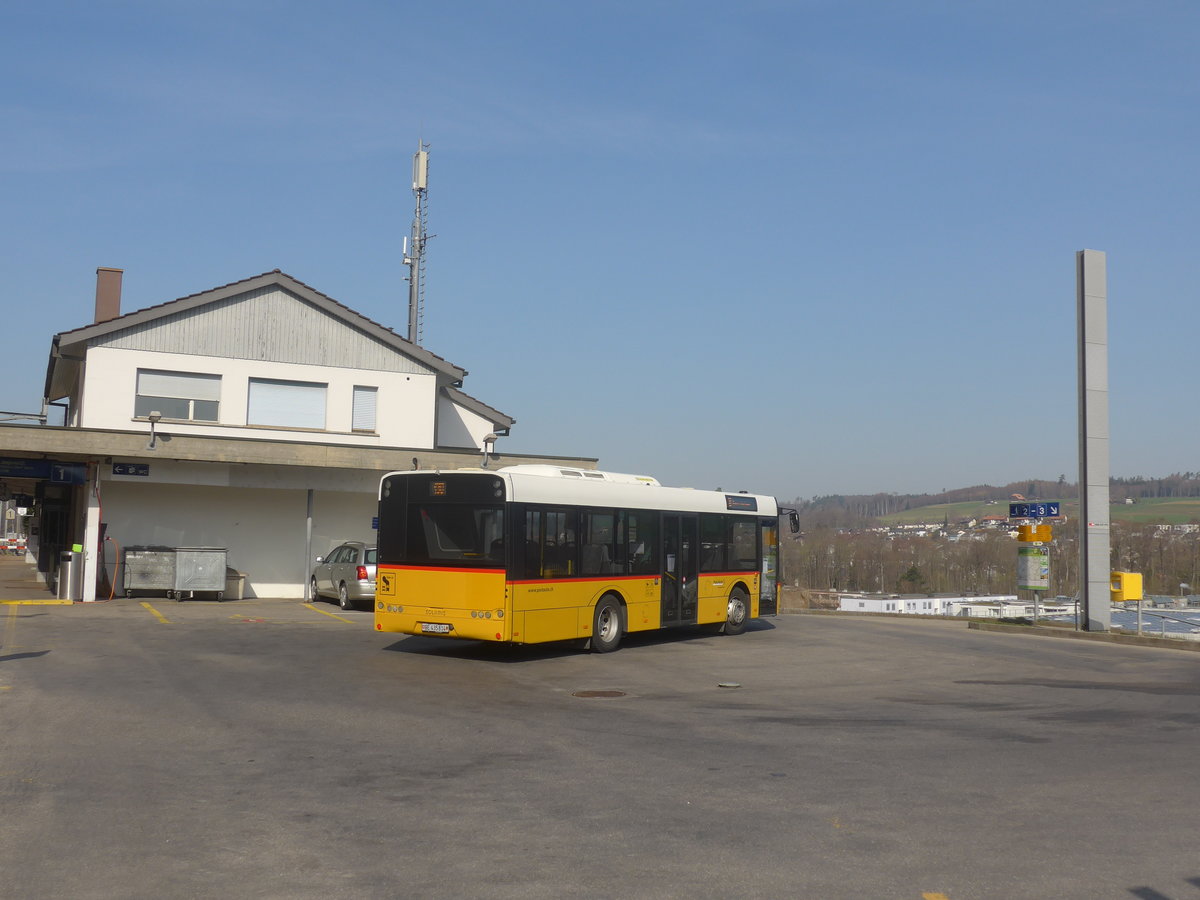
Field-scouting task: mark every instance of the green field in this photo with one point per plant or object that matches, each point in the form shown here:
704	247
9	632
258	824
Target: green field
1164	511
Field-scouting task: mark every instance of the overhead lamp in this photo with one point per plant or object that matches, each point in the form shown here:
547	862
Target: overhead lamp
489	448
155	417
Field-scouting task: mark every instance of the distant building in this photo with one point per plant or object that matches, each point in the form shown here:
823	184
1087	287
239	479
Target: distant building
995	606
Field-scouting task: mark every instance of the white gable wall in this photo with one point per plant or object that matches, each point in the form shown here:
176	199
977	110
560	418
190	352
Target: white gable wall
406	402
459	426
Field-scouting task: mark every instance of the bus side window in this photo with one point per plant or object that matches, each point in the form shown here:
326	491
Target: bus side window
532	567
642	540
745	546
596	558
550	547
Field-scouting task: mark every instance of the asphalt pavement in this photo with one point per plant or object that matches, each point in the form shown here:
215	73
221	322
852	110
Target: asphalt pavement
277	749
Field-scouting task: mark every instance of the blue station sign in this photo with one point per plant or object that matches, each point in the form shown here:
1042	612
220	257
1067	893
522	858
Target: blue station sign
1047	509
141	469
43	470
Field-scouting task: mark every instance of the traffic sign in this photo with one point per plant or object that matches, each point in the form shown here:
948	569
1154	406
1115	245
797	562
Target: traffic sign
1048	509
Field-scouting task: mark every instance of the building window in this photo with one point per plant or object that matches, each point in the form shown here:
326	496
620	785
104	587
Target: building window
286	404
363	417
183	396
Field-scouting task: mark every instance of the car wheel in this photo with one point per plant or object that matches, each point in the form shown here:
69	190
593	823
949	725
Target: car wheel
313	593
343	597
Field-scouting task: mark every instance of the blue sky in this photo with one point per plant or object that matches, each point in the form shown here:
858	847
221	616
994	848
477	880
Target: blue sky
792	247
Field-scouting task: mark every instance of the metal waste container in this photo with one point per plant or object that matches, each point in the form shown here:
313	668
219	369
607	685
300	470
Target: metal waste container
175	571
199	569
150	569
70	575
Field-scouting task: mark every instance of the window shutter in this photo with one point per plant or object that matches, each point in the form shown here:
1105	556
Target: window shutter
181	385
287	404
363	418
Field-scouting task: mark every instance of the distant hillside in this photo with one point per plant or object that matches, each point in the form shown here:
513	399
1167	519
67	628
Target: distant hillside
850	511
1152	511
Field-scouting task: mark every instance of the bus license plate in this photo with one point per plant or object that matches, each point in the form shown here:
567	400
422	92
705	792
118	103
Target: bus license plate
435	627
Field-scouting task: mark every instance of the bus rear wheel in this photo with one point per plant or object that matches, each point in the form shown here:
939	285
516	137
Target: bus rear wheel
737	612
606	625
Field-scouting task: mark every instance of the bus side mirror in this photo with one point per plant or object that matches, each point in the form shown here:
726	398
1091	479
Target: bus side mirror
794	521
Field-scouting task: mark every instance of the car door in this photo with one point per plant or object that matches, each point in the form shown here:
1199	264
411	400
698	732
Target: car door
326	577
343	565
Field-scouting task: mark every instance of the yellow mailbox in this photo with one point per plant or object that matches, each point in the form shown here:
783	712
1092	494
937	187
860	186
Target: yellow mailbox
1126	586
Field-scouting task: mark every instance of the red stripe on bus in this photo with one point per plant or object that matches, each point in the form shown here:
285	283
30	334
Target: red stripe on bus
438	569
575	579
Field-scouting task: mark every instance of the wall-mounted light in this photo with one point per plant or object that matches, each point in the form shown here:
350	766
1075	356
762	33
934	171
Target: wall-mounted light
489	447
155	417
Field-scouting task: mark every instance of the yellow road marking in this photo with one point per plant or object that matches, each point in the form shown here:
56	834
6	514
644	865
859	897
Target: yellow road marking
331	615
37	602
934	897
161	618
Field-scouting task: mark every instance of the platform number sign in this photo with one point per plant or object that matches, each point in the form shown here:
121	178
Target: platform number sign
1048	509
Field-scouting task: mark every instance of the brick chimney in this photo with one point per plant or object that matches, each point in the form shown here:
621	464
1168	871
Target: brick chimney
108	293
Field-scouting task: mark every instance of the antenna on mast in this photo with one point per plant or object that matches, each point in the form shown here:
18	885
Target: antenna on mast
416	261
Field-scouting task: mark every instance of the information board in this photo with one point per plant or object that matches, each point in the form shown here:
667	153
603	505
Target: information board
1033	568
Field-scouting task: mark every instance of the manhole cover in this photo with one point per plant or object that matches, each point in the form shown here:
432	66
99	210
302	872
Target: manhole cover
588	695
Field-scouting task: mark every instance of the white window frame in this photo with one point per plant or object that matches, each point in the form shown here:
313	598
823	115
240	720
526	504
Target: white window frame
153	386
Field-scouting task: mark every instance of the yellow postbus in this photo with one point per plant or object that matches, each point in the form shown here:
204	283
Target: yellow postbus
534	553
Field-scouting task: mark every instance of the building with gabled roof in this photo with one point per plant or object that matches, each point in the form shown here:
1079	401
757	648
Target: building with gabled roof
257	416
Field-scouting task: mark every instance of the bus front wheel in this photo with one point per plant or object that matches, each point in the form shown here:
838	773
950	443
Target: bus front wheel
737	612
606	625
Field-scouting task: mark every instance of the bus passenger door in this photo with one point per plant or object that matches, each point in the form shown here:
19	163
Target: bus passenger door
680	569
768	599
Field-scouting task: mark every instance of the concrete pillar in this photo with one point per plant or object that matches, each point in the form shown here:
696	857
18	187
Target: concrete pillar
1094	531
91	535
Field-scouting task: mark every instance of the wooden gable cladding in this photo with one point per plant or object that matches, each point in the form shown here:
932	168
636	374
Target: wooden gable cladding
268	324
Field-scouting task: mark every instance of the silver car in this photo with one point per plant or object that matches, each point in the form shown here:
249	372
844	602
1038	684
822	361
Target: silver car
347	573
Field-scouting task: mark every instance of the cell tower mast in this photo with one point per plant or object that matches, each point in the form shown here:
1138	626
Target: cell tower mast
414	254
